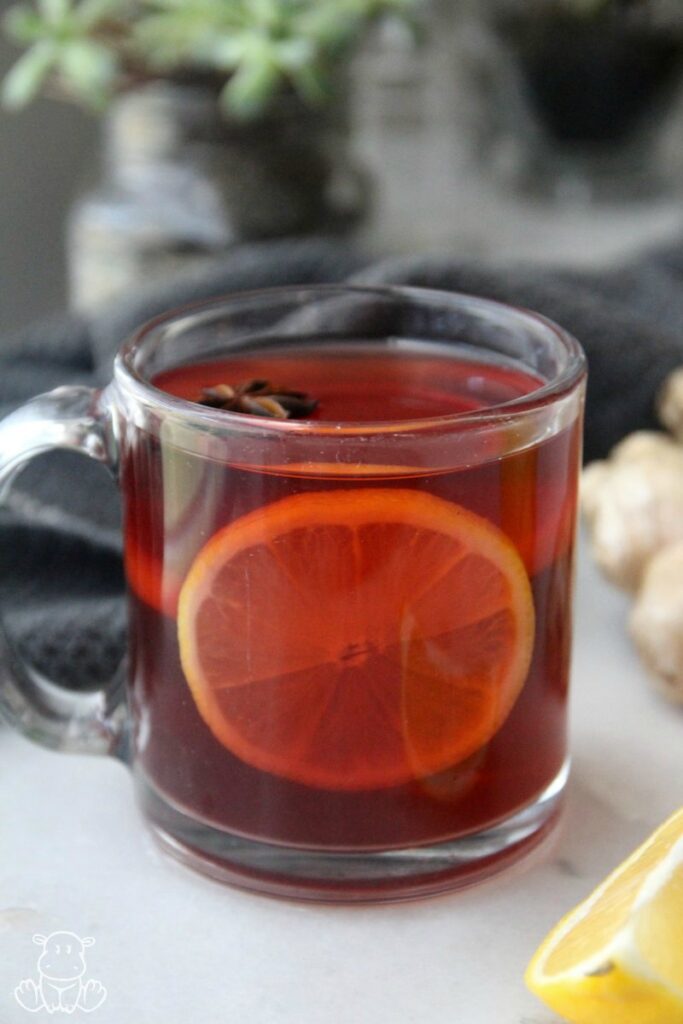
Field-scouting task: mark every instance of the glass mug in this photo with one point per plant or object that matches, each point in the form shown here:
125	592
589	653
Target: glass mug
349	633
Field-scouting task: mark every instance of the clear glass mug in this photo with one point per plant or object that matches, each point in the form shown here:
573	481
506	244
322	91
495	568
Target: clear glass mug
349	634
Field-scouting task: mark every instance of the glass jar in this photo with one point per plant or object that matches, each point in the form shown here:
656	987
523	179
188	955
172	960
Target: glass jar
181	182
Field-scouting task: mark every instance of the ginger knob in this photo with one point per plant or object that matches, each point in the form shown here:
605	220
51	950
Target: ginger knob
633	504
656	622
670	404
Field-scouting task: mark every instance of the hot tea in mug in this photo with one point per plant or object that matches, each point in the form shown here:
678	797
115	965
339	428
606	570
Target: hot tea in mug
349	526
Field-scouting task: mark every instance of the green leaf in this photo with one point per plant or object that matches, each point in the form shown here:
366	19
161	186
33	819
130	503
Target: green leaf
261	43
249	90
293	54
23	24
24	80
54	11
225	52
264	12
330	27
89	70
92	12
165	5
313	84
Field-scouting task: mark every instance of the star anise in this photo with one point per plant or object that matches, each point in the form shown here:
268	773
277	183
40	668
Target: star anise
259	398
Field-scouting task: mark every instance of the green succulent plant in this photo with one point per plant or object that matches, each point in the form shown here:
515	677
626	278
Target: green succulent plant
88	50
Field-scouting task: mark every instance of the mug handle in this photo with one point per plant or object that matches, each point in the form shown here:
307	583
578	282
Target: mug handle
74	418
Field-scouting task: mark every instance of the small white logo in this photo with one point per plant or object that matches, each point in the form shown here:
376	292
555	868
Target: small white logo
61	986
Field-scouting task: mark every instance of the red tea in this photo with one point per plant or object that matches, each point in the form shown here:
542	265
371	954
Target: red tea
361	656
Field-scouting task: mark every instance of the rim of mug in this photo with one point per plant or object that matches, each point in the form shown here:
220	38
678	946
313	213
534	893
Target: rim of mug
126	373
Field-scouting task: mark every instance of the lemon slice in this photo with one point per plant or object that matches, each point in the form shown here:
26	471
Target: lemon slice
356	639
617	958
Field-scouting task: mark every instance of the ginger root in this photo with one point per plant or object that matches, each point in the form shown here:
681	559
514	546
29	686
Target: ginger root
670	404
656	622
633	504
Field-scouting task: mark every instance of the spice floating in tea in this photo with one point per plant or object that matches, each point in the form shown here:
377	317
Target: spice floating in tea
259	398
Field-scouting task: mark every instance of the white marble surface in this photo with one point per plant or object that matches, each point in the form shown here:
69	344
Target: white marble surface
174	948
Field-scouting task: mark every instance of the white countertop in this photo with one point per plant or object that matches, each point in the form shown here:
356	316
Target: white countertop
176	948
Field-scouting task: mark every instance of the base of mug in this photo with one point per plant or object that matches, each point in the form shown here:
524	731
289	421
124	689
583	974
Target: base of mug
359	877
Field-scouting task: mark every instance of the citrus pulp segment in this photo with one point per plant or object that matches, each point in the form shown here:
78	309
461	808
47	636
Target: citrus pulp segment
617	958
357	638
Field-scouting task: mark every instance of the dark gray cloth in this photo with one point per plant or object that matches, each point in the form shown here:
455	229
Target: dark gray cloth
629	320
61	581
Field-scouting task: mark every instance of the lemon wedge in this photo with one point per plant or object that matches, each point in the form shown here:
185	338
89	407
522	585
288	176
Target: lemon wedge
617	958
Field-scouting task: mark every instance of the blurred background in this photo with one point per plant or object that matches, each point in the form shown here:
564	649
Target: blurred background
42	154
535	130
